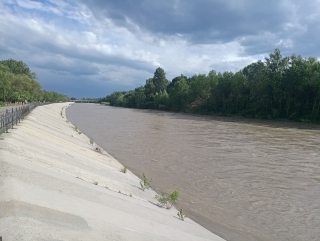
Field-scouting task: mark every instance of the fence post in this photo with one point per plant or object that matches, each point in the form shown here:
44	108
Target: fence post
20	113
16	115
7	120
12	119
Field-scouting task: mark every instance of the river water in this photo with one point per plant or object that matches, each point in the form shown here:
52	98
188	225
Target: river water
242	179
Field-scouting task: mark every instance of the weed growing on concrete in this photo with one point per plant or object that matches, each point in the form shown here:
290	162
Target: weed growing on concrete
124	169
99	149
130	195
167	200
61	112
77	130
95	183
181	215
91	141
145	183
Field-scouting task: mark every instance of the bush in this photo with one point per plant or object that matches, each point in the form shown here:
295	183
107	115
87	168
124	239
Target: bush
167	200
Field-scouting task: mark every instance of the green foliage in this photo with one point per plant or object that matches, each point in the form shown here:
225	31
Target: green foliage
181	215
77	130
91	141
159	80
18	83
167	200
145	183
124	169
276	88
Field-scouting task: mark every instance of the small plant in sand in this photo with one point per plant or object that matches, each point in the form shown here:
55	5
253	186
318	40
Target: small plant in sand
167	200
91	141
95	183
181	215
124	169
61	112
77	130
145	183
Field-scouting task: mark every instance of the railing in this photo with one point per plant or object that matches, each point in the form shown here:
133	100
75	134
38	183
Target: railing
12	117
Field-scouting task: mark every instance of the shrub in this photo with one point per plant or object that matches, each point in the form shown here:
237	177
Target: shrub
167	200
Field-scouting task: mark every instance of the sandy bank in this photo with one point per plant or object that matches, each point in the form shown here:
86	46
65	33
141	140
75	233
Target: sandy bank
47	190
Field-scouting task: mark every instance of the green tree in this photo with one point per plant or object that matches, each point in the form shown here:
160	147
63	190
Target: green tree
179	95
159	80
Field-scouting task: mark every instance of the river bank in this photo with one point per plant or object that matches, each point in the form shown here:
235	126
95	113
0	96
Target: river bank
54	186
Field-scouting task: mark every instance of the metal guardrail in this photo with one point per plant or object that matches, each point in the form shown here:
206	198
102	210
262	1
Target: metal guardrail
11	117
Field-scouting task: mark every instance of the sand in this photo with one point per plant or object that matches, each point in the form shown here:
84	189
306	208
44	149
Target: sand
55	186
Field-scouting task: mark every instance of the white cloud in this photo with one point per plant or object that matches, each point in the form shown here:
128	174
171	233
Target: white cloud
66	38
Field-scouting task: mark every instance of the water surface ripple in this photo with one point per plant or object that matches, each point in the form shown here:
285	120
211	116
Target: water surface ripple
242	179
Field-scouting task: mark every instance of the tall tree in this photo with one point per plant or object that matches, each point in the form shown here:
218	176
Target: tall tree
159	80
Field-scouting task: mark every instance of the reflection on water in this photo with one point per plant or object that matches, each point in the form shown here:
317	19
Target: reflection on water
243	180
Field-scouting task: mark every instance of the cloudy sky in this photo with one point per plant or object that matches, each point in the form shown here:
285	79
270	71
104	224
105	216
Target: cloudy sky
90	48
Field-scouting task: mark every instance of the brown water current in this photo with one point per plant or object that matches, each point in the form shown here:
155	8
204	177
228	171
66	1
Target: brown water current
242	179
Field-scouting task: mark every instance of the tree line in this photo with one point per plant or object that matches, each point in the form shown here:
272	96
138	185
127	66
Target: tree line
276	88
18	83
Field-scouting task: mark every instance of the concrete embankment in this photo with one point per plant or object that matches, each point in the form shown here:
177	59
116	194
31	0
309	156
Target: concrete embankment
55	186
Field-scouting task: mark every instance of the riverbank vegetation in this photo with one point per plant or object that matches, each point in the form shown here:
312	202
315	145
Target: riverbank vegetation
276	88
18	83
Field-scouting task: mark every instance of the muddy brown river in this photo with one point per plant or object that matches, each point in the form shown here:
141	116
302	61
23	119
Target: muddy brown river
242	179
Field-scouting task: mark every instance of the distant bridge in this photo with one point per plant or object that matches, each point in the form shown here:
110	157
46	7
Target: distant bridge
85	101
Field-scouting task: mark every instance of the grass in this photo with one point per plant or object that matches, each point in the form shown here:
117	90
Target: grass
181	215
77	130
145	183
91	141
61	112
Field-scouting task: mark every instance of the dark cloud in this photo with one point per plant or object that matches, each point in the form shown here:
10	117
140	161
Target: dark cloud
219	21
101	46
79	86
201	21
